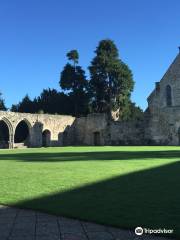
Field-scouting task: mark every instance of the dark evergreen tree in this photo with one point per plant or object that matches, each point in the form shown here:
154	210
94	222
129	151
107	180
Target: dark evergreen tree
14	108
26	106
111	80
2	104
51	101
73	82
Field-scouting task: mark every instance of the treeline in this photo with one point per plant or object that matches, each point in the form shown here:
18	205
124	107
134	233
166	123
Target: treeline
107	91
50	101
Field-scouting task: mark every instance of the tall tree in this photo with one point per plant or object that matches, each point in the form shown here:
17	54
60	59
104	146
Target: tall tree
2	104
73	81
111	80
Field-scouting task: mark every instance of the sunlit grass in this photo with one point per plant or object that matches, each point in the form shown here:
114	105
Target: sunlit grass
101	184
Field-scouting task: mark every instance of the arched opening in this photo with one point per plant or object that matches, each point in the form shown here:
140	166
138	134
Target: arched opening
21	137
168	96
96	138
46	138
4	135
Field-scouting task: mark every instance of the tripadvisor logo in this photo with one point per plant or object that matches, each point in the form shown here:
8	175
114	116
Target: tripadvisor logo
138	231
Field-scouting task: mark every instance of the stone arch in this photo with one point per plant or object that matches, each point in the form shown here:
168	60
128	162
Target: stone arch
168	96
46	138
26	121
22	133
6	133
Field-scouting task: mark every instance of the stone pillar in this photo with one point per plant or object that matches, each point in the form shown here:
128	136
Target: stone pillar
11	140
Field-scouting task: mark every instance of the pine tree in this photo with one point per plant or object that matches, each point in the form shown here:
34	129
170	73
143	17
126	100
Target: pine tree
111	80
73	81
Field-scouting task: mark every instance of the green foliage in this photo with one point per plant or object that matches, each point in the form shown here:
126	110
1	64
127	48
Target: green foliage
73	81
131	112
26	106
136	113
14	108
2	104
52	101
109	89
111	80
73	55
49	101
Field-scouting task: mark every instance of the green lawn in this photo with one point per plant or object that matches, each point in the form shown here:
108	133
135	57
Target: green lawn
119	186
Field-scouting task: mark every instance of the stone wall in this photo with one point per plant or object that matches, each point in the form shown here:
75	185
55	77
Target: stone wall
37	123
127	133
86	127
95	129
94	126
164	121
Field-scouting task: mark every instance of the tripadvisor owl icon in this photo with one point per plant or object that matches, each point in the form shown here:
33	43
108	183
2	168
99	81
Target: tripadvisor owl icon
138	231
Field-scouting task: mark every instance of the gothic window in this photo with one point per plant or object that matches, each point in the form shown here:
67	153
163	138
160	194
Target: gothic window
168	95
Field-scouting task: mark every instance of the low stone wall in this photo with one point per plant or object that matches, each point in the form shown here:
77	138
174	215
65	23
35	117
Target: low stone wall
127	133
94	126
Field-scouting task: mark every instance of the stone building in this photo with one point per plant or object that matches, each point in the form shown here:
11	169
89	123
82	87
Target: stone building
163	113
160	126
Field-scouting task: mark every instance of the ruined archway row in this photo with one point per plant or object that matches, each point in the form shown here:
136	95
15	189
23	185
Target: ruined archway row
19	130
14	135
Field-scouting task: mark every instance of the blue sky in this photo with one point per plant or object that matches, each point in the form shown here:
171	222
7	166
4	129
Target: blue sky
35	36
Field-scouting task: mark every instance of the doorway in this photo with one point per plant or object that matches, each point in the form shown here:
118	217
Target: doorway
97	139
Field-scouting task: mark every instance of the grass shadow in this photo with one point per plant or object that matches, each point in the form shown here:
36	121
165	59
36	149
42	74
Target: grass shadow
148	198
84	156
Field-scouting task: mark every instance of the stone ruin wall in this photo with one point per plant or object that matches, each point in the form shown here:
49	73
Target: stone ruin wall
37	123
67	130
111	133
127	133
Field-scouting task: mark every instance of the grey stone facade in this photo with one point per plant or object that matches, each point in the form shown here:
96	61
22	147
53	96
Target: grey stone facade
163	113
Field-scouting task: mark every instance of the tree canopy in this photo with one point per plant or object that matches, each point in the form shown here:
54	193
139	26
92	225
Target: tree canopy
111	80
73	55
108	89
